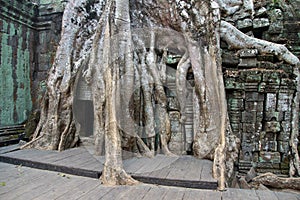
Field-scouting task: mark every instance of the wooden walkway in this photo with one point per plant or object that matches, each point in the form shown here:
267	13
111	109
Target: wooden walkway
184	171
22	183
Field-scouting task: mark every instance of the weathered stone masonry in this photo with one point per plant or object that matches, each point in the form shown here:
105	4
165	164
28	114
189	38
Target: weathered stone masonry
259	88
29	35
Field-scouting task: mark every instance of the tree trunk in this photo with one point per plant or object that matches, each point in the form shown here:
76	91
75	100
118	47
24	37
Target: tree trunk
274	181
120	48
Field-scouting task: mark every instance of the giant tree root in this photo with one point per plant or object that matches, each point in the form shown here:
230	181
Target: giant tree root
116	176
274	181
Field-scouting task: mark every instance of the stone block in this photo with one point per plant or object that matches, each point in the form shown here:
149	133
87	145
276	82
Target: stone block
276	28
231	83
246	152
271	88
271	115
236	104
259	116
238	94
286	82
287	116
261	12
283	147
247	62
268	166
175	126
276	14
173	104
283	137
272	126
286	130
258	127
249	117
251	87
235	115
271	101
245	23
287	68
261	23
284	102
248	53
255	157
269	157
266	57
254	96
254	106
248	128
269	145
236	128
174	115
229	59
253	78
271	77
262	87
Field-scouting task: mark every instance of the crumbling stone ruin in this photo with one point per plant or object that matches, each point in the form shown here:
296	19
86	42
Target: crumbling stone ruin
260	88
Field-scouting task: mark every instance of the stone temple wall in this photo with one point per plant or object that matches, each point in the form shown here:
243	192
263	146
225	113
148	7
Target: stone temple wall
29	34
17	34
260	88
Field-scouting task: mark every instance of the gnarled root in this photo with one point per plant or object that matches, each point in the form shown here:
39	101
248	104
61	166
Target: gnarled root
238	40
116	176
274	181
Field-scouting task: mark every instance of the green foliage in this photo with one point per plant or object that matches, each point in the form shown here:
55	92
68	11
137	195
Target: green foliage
2	184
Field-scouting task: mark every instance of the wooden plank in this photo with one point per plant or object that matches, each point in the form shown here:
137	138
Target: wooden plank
75	160
287	196
9	148
49	190
137	164
80	190
150	165
128	162
238	194
178	168
92	165
163	169
65	154
162	173
55	190
96	193
156	192
82	160
38	186
193	170
174	194
136	192
168	160
193	194
14	183
206	173
158	162
116	193
266	195
51	167
27	154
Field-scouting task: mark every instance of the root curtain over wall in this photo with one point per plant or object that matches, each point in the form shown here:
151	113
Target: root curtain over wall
121	47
